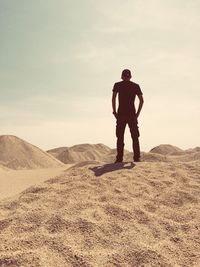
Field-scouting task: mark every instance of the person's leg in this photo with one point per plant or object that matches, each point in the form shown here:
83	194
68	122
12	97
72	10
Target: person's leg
134	130
120	128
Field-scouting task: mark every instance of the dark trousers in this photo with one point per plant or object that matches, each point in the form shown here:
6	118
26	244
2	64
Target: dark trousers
120	129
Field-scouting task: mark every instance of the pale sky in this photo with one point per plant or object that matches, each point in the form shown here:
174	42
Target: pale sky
59	60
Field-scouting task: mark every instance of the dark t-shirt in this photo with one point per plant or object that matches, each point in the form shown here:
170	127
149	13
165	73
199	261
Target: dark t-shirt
127	90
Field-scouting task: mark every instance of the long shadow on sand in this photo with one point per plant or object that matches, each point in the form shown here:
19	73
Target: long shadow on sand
100	170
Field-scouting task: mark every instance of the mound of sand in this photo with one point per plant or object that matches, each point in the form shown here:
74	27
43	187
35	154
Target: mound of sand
106	215
16	153
101	152
166	150
81	152
171	153
87	152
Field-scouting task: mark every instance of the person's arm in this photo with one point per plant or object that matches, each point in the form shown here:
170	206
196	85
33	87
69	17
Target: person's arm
114	103
141	102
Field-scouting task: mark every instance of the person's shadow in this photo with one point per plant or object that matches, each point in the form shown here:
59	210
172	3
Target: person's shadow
100	170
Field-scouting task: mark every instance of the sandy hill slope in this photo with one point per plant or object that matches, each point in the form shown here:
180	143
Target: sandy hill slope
57	151
96	215
166	149
16	153
87	152
171	153
101	152
193	150
81	152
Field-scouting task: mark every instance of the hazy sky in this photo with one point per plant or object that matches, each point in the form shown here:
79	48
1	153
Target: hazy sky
59	60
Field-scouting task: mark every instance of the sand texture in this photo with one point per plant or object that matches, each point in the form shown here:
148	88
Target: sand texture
97	214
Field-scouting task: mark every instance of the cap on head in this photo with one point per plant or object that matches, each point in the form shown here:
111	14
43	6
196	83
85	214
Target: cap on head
126	74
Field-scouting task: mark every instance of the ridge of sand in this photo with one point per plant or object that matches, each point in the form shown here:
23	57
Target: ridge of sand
80	152
97	215
16	153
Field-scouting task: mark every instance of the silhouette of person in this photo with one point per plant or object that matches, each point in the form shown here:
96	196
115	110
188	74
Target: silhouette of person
126	113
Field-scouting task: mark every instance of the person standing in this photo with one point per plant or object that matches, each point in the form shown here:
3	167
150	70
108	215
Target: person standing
126	113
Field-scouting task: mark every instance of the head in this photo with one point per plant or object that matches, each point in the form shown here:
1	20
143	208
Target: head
126	75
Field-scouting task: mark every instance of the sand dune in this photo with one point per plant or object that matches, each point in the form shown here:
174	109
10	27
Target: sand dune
81	152
171	153
87	152
166	149
106	215
100	152
16	153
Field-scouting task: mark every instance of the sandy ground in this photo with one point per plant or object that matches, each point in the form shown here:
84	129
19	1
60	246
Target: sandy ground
97	215
13	182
